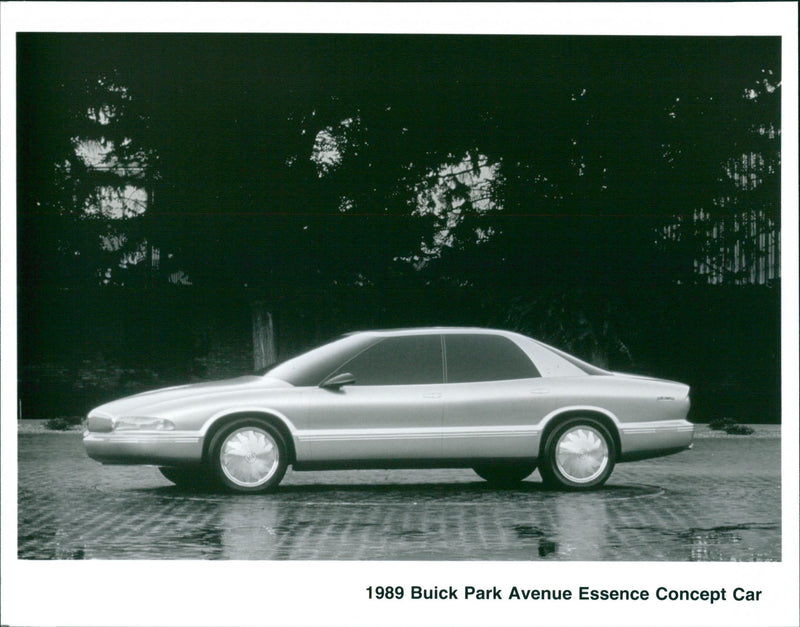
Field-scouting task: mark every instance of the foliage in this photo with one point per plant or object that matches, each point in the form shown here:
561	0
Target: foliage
730	426
63	423
739	430
283	160
725	178
584	322
91	208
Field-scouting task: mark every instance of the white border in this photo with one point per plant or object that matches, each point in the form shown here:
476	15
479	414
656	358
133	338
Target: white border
332	593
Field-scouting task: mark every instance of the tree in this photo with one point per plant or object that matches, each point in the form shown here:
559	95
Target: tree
317	160
726	174
94	205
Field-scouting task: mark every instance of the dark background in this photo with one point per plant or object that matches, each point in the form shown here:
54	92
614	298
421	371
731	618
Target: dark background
632	217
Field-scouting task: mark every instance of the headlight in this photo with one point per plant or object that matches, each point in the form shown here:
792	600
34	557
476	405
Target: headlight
99	424
130	423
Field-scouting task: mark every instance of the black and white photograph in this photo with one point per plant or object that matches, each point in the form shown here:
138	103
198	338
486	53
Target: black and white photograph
317	321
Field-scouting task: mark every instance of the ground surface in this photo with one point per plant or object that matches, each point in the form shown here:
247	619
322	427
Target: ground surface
720	501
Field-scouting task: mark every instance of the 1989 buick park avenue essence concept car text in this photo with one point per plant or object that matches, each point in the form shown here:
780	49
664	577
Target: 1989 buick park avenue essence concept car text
495	401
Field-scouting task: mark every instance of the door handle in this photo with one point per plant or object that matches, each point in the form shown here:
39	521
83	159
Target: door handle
540	391
432	395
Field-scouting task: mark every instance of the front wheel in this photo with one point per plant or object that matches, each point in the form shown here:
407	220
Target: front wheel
504	473
579	454
248	456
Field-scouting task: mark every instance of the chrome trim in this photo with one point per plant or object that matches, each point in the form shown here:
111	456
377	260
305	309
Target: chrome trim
430	432
637	428
135	437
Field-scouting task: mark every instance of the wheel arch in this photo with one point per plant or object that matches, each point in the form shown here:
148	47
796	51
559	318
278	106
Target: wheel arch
606	419
272	418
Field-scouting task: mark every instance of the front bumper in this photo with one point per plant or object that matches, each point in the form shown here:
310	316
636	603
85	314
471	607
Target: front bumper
141	447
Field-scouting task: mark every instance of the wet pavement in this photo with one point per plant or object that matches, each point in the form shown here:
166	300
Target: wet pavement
719	502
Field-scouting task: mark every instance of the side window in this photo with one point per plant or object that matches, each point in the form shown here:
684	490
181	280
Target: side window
405	360
477	357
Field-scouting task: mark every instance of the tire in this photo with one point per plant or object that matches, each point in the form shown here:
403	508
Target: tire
579	454
194	478
248	456
504	473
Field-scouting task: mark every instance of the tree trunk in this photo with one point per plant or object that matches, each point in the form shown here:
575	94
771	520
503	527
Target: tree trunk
264	352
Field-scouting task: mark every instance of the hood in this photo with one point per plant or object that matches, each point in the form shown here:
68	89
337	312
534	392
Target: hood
157	402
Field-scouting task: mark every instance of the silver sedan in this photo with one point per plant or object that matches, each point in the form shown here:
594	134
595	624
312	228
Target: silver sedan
495	401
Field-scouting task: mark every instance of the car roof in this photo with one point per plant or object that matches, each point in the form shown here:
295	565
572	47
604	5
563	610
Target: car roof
431	330
517	337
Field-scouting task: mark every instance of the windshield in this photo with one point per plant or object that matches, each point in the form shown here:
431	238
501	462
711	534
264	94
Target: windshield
316	365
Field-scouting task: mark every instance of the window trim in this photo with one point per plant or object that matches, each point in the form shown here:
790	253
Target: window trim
538	374
381	340
340	367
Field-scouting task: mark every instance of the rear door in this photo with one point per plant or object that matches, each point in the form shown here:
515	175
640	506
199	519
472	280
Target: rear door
494	398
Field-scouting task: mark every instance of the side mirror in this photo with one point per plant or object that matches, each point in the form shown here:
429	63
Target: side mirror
337	381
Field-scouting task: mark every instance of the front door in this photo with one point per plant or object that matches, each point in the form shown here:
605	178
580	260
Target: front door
392	411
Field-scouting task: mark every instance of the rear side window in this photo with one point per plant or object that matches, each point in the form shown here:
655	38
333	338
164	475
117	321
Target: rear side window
405	360
473	357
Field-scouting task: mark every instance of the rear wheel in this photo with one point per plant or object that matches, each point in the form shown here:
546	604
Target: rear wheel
248	456
504	473
579	455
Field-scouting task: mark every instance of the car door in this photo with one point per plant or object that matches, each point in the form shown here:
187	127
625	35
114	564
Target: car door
393	411
494	398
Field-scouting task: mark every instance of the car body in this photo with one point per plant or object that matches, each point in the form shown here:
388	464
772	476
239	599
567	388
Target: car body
496	401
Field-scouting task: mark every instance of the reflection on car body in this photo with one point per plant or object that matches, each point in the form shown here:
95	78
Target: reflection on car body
496	401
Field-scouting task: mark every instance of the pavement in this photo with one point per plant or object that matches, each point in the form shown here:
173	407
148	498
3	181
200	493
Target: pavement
721	501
